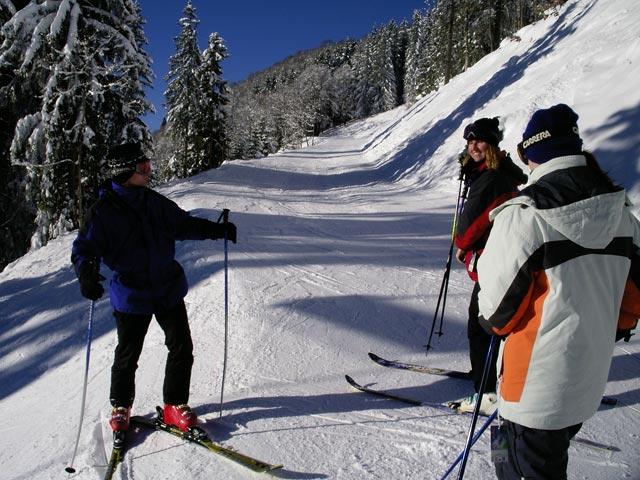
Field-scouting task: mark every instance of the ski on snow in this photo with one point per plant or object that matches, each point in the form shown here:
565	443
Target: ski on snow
419	368
441	406
606	400
399	398
198	436
117	452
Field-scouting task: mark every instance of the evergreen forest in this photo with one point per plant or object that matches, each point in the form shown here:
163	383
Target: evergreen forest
73	76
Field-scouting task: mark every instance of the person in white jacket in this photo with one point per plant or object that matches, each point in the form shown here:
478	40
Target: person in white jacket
559	281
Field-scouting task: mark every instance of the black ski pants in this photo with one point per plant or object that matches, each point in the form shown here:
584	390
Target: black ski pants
536	454
479	342
132	329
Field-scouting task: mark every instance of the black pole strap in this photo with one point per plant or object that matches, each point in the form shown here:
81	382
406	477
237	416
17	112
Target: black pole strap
224	216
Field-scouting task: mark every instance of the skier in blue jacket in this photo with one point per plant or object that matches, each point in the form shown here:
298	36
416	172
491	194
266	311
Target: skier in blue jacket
133	230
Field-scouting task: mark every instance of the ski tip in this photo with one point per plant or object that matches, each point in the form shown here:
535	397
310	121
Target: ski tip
377	358
70	470
351	381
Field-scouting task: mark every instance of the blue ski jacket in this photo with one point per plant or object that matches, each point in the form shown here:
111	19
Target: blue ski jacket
133	230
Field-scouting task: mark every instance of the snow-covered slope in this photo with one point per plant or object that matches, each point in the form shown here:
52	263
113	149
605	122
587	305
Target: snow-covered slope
341	250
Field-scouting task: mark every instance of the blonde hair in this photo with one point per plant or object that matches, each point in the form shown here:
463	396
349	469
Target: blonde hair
492	157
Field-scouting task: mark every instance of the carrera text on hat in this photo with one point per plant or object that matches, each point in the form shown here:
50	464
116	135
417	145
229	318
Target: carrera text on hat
536	138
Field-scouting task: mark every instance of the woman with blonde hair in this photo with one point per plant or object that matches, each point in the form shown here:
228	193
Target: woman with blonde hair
491	178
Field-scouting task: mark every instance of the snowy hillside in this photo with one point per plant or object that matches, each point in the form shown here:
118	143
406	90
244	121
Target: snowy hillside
341	250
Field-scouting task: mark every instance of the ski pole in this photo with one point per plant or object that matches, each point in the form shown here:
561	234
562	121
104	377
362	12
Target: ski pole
70	468
476	410
225	219
459	205
445	281
444	286
473	441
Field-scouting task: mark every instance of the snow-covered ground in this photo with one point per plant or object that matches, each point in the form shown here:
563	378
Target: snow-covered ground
341	251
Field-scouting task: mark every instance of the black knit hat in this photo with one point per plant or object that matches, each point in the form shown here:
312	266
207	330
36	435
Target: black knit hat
484	130
122	160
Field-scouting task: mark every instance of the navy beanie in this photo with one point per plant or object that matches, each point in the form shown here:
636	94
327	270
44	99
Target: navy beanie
551	133
484	130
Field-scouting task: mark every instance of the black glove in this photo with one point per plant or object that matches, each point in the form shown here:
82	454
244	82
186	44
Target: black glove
217	231
90	278
232	232
623	333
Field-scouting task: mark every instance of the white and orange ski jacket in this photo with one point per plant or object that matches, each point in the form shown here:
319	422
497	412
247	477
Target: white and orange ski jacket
558	276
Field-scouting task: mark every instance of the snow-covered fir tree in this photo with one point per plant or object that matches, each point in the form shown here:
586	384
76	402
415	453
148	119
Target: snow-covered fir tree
366	92
79	70
214	102
196	100
389	43
15	212
413	56
181	93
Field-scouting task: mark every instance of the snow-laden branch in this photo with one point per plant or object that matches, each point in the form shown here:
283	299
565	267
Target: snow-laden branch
8	4
36	41
60	16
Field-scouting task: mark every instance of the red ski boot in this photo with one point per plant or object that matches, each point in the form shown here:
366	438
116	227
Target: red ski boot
120	419
181	416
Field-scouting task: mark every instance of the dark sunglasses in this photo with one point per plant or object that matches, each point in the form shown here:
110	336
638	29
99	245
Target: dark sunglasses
144	168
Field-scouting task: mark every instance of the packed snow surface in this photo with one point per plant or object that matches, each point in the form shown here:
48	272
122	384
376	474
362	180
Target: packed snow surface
341	251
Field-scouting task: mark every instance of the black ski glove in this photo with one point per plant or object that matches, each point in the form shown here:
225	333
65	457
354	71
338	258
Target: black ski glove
623	334
90	278
232	232
217	231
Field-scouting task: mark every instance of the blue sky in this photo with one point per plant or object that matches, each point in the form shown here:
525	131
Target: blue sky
260	33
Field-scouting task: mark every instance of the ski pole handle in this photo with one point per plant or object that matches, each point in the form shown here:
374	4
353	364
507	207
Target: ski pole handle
224	216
